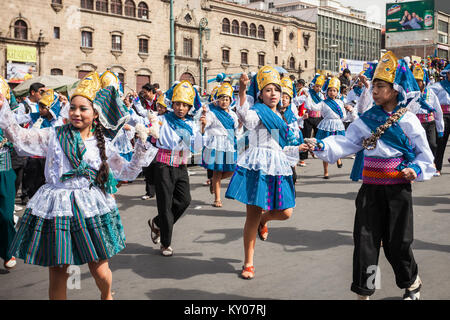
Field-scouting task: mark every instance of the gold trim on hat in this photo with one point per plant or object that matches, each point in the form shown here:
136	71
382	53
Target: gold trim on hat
225	90
418	72
267	75
5	89
47	98
89	86
334	83
184	92
386	68
320	80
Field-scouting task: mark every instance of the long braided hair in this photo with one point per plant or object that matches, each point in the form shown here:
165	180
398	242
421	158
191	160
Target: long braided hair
103	172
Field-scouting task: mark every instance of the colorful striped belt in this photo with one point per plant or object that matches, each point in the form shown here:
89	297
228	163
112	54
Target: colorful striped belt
172	158
314	114
5	161
382	171
445	108
425	117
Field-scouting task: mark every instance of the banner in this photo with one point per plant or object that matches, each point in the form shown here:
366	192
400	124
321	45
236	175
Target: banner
19	72
410	16
355	66
20	53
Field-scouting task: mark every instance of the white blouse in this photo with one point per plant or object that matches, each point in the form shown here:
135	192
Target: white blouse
53	199
264	152
337	147
216	136
442	94
331	120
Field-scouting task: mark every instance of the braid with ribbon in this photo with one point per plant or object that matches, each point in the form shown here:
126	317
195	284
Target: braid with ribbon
103	172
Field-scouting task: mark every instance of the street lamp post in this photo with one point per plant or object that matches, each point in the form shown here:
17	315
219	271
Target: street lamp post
334	46
172	47
202	27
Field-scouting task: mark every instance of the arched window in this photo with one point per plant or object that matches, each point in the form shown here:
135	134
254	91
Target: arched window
292	63
20	30
87	4
244	29
56	72
261	32
253	30
226	25
116	7
101	5
142	10
235	27
189	77
130	8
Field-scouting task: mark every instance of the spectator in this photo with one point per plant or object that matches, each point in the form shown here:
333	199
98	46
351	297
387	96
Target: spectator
346	77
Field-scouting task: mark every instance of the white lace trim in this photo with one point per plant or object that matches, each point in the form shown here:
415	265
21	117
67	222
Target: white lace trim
270	162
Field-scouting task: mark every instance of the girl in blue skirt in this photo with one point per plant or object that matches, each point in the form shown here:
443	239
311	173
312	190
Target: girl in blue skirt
73	218
219	152
263	176
334	114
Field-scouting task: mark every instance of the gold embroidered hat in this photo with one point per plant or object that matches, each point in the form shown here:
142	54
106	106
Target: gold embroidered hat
334	83
418	72
386	68
184	92
47	98
162	101
320	80
267	75
225	90
88	87
287	86
110	79
4	89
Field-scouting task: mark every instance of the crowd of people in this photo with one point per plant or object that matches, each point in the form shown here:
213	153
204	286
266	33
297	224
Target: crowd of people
70	154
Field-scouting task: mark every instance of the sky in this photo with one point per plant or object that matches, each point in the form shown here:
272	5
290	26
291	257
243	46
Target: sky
375	8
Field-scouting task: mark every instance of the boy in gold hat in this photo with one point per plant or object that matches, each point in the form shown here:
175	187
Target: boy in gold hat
73	219
179	137
386	133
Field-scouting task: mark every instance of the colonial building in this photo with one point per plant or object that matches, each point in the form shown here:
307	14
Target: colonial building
132	38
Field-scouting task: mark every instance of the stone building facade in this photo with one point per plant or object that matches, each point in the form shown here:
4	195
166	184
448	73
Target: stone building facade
132	38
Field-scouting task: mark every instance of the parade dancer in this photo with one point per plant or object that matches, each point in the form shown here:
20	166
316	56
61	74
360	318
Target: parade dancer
396	152
289	112
179	137
73	219
442	91
263	176
219	125
334	113
7	191
313	98
430	112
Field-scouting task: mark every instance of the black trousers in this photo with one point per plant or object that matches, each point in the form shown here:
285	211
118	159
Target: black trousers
149	179
430	130
33	176
383	213
309	124
172	197
442	142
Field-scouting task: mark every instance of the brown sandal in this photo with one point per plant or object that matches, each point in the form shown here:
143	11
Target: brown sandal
155	232
250	270
263	232
217	204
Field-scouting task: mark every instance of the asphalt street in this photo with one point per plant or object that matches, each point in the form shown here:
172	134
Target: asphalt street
306	257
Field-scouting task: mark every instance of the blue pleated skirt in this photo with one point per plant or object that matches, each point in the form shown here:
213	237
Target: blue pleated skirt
223	161
264	191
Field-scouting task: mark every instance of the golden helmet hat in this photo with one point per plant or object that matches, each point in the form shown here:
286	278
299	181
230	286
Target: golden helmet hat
418	72
320	80
267	75
161	101
225	90
110	79
334	83
88	87
4	89
386	68
287	86
47	98
184	92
